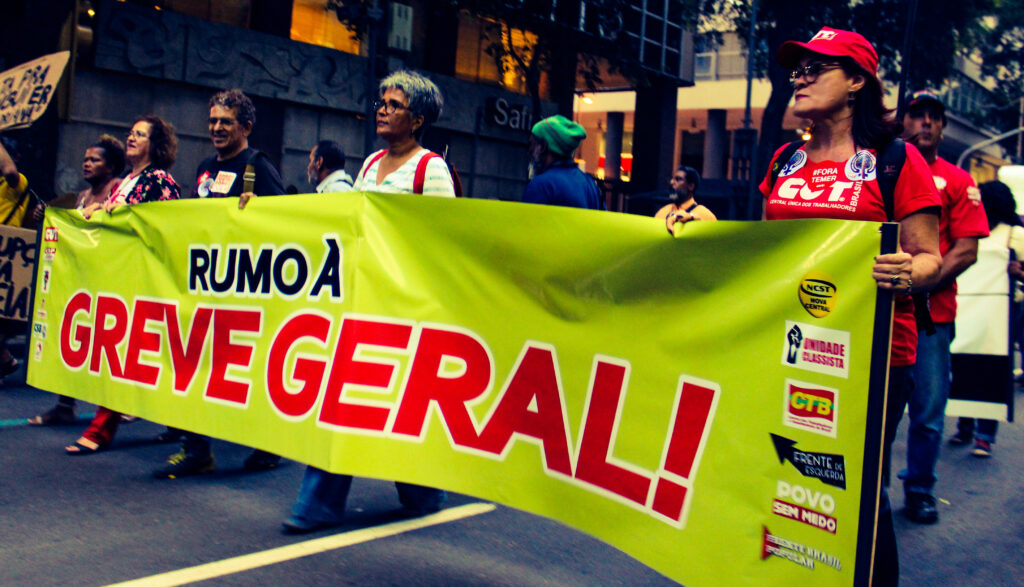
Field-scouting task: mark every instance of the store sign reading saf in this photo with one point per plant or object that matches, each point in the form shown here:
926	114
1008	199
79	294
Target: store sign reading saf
312	358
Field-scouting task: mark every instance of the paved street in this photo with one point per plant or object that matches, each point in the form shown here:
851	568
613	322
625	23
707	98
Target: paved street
103	519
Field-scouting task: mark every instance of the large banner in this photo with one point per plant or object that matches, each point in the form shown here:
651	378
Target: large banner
700	402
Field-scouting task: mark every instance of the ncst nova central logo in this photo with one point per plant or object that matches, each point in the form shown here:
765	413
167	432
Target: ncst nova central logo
818	294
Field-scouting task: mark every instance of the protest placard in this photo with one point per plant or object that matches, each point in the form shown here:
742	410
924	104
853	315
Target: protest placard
17	260
26	90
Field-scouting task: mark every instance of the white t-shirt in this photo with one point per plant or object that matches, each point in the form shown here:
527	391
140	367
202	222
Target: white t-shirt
436	182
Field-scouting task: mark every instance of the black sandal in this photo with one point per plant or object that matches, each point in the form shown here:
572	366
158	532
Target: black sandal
57	416
78	449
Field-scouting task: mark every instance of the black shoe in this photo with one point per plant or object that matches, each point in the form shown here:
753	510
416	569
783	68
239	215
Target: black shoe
183	464
261	460
418	512
299	525
961	438
921	508
168	436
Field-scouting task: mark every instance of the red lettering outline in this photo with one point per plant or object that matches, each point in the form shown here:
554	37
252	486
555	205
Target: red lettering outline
595	465
106	337
535	379
295	402
226	352
351	370
74	358
431	387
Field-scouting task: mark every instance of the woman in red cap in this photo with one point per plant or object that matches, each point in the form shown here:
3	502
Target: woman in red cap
833	175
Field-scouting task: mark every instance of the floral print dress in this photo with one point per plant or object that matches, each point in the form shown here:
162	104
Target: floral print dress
149	185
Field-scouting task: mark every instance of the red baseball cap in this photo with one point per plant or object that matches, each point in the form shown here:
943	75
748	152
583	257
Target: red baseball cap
835	43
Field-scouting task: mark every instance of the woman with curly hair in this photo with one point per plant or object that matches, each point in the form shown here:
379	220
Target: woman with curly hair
150	149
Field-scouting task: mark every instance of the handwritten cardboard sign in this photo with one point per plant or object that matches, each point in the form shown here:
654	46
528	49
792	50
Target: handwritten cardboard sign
26	90
17	259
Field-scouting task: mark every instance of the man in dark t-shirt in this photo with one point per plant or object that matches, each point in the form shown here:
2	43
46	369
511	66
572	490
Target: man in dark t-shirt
232	116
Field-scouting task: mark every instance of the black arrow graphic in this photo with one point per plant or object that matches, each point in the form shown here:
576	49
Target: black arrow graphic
827	468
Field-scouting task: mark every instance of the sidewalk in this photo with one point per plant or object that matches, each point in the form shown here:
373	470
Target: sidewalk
978	539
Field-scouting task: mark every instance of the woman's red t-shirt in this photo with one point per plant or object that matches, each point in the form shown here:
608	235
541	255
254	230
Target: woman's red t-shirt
848	190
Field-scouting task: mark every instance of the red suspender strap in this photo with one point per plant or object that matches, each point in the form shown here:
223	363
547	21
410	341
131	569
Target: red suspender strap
375	159
421	172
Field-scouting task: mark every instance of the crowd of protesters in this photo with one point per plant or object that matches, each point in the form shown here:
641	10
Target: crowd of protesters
837	88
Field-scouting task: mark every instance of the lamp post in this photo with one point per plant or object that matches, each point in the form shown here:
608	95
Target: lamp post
908	38
364	16
978	146
745	142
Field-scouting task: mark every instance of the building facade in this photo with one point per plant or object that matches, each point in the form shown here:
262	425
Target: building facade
311	67
142	59
711	113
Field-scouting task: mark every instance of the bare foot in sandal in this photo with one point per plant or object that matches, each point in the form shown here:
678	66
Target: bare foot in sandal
83	446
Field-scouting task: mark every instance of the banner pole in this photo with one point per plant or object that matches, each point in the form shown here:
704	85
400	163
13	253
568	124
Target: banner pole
32	296
874	434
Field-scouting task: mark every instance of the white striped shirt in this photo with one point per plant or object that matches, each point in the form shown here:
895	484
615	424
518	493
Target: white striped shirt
437	181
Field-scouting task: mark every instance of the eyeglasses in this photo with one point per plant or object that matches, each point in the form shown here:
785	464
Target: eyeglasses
134	134
389	106
811	71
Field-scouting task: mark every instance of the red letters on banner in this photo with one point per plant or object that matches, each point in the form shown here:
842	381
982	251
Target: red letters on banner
451	371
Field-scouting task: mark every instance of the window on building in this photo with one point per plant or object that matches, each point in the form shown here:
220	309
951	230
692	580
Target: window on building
314	22
473	62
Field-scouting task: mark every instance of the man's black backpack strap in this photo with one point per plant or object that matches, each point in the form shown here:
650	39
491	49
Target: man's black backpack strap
249	177
890	162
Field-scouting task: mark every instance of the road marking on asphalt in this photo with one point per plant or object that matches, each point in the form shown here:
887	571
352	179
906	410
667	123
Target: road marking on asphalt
255	560
24	421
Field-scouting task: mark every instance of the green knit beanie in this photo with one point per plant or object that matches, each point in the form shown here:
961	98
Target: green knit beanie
561	134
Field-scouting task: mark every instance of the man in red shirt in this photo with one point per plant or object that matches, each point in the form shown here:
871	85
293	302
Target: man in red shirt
961	224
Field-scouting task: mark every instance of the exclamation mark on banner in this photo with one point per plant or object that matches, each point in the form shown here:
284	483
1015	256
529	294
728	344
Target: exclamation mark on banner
694	411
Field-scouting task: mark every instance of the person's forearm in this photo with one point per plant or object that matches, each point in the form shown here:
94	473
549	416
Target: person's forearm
925	271
960	256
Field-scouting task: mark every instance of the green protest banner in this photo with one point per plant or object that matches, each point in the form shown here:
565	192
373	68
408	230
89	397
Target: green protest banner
700	402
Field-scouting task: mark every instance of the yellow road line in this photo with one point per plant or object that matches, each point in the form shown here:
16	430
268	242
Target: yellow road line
255	560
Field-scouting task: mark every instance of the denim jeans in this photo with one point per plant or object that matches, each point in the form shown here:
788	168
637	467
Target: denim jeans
986	429
927	409
322	496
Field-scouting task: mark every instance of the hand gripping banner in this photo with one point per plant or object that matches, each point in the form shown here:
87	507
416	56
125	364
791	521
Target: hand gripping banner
700	402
